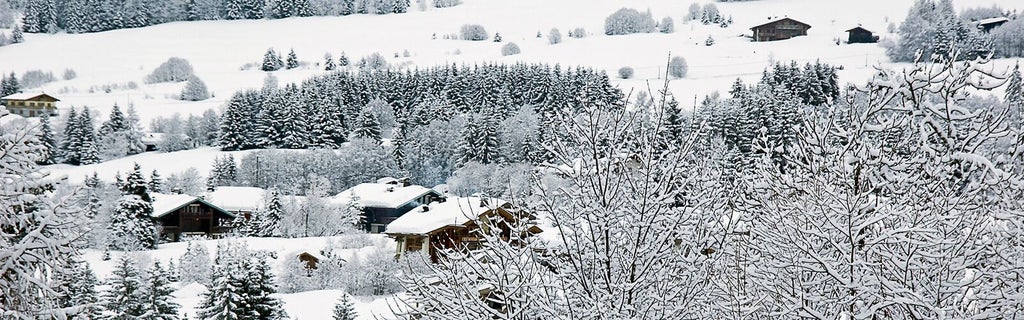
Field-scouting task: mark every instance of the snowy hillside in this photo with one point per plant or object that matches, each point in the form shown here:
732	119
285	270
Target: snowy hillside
219	49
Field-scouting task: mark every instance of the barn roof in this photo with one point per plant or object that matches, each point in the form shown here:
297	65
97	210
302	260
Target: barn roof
455	211
27	96
164	204
778	20
382	195
859	28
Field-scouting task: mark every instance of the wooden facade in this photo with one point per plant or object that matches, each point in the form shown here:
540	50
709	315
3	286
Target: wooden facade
30	104
986	25
376	219
781	29
464	236
194	218
861	35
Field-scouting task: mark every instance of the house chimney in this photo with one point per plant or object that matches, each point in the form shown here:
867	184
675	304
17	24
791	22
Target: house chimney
425	208
483	202
442	199
391	189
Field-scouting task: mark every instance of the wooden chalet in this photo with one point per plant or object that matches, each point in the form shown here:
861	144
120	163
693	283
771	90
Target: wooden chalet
30	104
455	223
861	35
780	29
986	25
385	201
179	215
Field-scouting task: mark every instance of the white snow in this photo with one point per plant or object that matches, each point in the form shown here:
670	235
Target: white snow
165	203
236	198
455	211
381	195
165	163
23	96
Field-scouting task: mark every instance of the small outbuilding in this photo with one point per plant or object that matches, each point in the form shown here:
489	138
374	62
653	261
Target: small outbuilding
861	35
780	29
986	25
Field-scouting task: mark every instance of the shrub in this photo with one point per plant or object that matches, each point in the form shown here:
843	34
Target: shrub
578	33
70	74
709	42
473	32
446	3
677	67
36	78
693	12
626	72
555	36
628	21
667	25
173	70
510	49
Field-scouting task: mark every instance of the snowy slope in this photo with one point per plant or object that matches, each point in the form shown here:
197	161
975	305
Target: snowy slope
165	163
219	49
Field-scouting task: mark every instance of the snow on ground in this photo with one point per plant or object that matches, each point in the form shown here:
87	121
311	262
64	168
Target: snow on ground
166	163
219	49
302	305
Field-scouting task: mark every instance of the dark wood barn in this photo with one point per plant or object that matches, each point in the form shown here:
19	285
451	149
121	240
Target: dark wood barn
180	215
780	29
861	35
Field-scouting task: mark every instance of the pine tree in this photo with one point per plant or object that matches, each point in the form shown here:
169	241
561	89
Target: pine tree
131	223
329	62
156	183
267	220
115	123
17	36
367	126
125	297
192	11
88	152
343	60
48	154
233	10
10	85
270	61
75	285
1015	88
157	296
71	142
259	286
222	300
343	310
480	141
293	60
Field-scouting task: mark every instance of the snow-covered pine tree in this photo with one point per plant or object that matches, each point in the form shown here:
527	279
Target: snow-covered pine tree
223	173
258	287
222	300
292	60
329	62
70	142
75	285
88	151
367	126
343	310
343	60
293	122
115	123
480	141
157	295
156	183
131	223
267	220
233	10
270	61
48	153
196	260
233	129
125	297
133	134
10	85
195	90
17	36
1015	89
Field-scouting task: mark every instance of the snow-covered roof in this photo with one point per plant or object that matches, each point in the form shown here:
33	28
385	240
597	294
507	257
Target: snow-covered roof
993	20
777	20
152	137
455	211
164	204
381	195
236	198
26	96
167	203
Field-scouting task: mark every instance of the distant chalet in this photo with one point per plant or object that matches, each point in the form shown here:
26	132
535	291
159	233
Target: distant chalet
861	35
30	104
986	25
179	215
780	29
385	201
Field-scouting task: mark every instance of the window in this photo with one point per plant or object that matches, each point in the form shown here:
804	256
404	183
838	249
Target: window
192	208
31	113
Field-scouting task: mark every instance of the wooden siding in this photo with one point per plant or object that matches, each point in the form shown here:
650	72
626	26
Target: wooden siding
780	30
194	218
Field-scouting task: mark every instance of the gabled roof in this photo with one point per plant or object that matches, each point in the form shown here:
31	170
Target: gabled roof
859	28
993	20
164	204
237	198
779	20
456	211
27	96
381	195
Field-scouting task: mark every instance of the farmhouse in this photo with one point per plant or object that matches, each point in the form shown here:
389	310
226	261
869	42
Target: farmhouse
454	223
30	104
780	29
986	25
178	215
385	201
861	35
